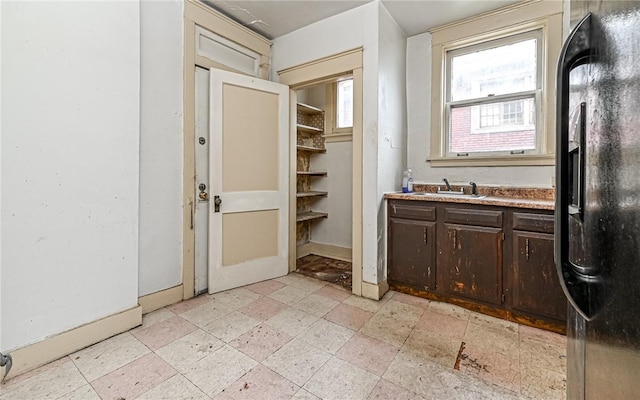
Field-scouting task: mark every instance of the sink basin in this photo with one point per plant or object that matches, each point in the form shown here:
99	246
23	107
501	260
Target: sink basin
449	194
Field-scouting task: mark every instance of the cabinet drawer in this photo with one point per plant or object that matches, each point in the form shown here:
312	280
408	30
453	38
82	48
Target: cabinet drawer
468	216
413	210
533	222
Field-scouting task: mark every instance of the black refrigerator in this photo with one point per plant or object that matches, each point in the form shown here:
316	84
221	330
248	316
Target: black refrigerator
597	243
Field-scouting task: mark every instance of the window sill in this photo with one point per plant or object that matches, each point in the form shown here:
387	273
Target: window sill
493	161
338	137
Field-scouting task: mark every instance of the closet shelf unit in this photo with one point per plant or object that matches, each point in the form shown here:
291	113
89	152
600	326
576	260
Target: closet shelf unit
309	141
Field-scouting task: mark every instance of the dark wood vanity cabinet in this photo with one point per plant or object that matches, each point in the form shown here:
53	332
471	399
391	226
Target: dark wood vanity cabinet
495	260
412	246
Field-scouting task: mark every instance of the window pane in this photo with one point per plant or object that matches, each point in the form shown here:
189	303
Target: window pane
500	126
498	70
345	104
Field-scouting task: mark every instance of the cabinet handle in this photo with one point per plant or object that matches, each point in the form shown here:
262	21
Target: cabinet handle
425	235
455	239
526	248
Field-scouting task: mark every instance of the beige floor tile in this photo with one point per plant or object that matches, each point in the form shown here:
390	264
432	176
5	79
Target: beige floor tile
402	317
492	322
337	379
220	369
334	293
500	340
260	342
297	361
108	355
386	390
326	335
317	305
165	332
174	388
411	300
432	346
290	295
529	333
442	324
302	282
85	392
187	305
22	377
367	353
364	303
47	383
434	381
263	309
206	313
190	349
260	383
304	395
539	383
153	318
231	326
449	309
133	379
491	366
349	316
292	321
547	355
265	287
235	298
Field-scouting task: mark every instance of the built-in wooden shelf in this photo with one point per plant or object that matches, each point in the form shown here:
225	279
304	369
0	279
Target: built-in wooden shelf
308	129
312	193
307	109
311	149
312	173
310	215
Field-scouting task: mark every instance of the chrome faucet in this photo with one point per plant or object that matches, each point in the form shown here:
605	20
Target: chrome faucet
446	182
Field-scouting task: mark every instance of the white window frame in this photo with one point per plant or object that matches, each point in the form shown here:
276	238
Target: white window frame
516	19
332	132
535	94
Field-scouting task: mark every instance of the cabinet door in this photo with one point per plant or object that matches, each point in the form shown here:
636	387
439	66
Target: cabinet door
411	258
471	262
536	287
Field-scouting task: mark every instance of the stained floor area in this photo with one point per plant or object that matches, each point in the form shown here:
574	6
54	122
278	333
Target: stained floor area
299	338
325	269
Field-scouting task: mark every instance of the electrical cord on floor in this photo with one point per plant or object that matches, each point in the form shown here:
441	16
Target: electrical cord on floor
6	361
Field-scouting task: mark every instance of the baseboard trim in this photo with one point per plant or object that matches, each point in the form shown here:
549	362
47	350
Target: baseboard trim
162	298
324	250
55	347
374	292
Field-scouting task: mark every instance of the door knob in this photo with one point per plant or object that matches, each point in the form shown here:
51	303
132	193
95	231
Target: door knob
204	196
216	203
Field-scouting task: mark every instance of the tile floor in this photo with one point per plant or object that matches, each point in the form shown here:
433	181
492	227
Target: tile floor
300	338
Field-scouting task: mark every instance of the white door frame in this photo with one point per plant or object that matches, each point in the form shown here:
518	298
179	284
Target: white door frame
310	74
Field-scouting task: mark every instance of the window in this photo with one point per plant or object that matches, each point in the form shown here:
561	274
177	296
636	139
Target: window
492	92
340	110
491	96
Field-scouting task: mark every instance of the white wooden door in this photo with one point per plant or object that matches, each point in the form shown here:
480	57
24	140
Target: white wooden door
201	209
249	159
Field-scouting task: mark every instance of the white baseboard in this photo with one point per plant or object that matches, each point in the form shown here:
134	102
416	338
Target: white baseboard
55	347
157	300
373	291
324	250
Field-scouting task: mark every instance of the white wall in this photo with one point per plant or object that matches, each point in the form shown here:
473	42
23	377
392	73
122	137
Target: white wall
161	145
418	123
70	135
354	28
392	129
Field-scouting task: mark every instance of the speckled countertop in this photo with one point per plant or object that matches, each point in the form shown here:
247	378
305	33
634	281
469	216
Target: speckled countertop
535	198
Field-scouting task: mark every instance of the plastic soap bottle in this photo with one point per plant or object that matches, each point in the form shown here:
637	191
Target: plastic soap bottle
407	180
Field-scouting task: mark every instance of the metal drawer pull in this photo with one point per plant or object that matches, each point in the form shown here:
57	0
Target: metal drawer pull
425	235
455	239
526	248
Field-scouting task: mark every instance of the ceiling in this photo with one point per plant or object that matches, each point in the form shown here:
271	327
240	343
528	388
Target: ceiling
274	18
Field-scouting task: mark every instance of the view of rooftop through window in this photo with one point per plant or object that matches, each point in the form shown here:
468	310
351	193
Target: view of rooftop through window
492	95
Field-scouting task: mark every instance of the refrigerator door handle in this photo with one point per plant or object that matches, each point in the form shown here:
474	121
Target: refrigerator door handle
577	282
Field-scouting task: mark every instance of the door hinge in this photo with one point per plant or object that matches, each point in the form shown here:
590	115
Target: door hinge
502	298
